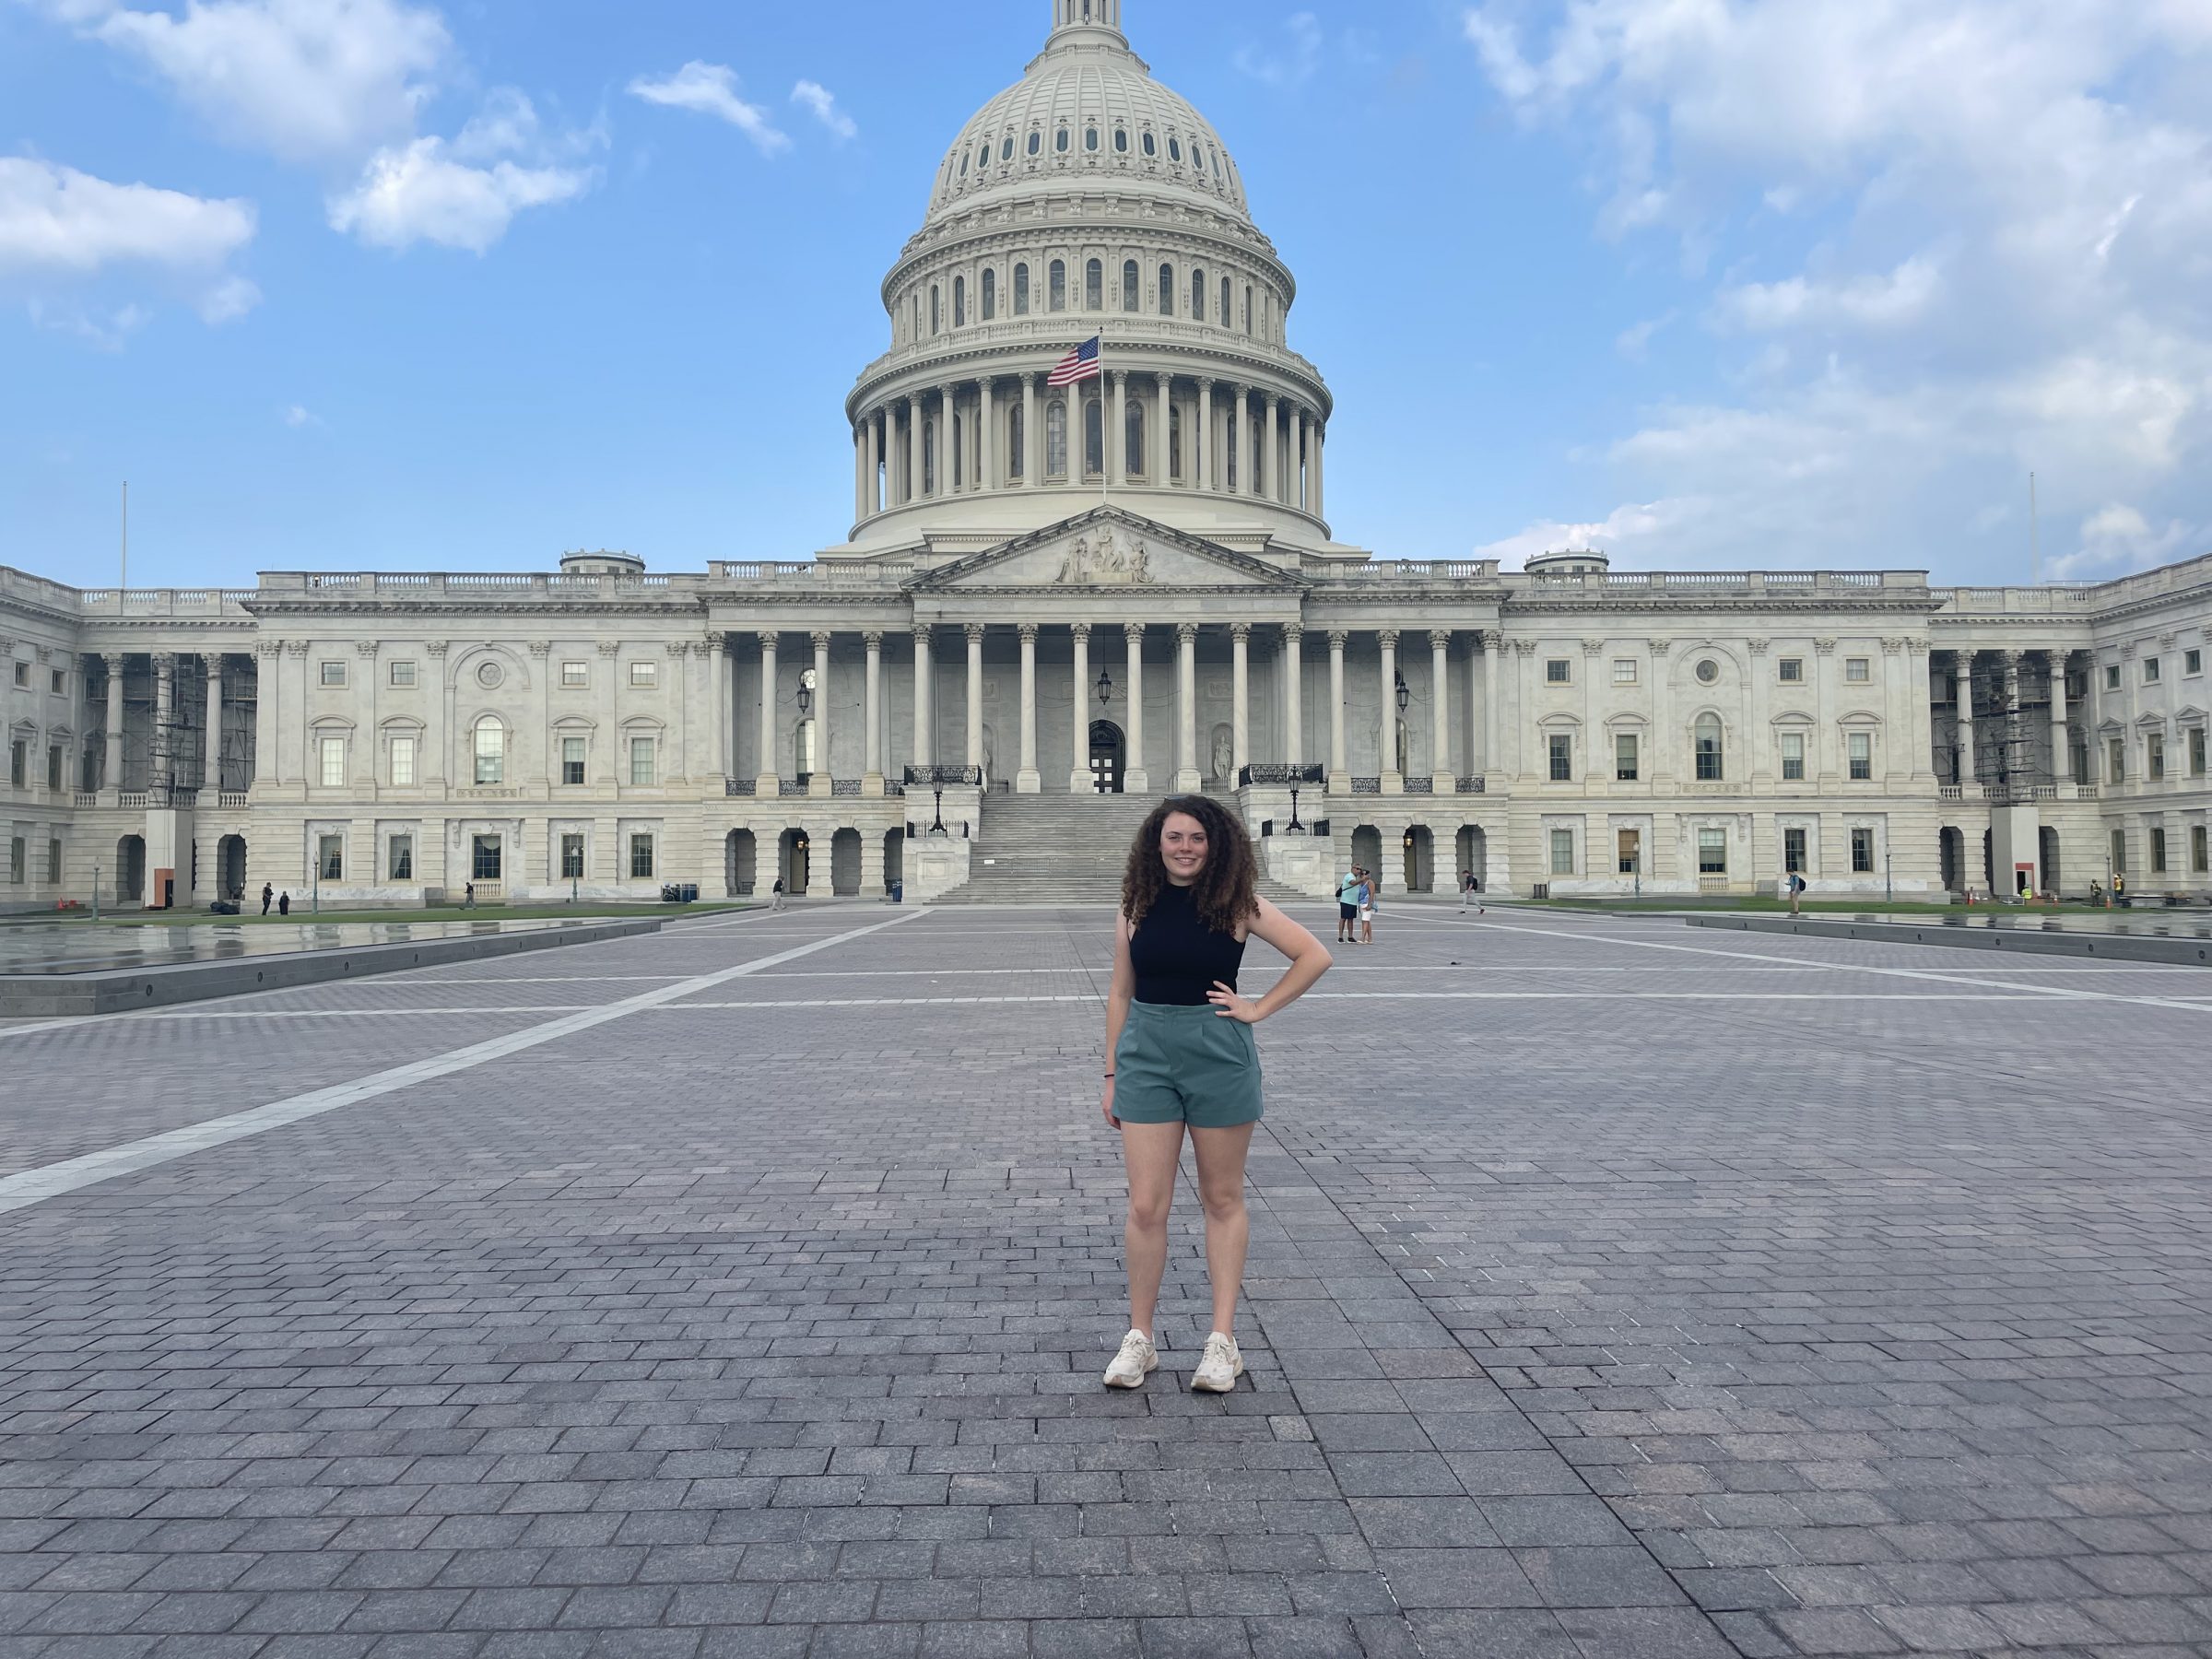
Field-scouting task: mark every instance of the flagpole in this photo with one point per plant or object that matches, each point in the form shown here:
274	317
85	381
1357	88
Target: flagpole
1105	435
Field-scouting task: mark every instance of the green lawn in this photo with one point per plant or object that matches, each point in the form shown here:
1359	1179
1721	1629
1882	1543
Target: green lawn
1815	907
483	912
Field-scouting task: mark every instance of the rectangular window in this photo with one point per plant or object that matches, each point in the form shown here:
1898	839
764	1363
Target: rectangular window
332	673
23	675
1562	852
492	751
642	674
2196	751
1862	852
402	761
2119	854
1705	750
18	860
1557	671
2150	671
1857	670
1793	851
334	762
2115	760
1562	758
2158	851
19	764
484	857
572	760
574	677
641	759
1624	671
1712	852
2111	676
2199	850
2193	662
1628	847
329	857
402	676
54	859
571	858
1862	755
53	768
60	686
1792	670
2154	756
1624	757
402	861
640	855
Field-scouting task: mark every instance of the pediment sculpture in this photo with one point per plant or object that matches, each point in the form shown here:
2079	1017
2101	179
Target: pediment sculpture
1105	563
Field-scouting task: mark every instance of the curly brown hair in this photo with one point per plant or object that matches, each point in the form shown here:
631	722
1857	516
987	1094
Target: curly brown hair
1226	887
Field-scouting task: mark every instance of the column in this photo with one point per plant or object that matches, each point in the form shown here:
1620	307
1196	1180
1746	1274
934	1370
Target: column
211	747
873	494
718	693
1236	467
1339	767
1271	439
361	757
1079	768
2008	703
1920	692
1294	699
298	760
1186	708
1117	430
1033	445
267	653
1824	709
2062	747
1661	760
1159	466
975	693
1386	735
1026	781
1239	700
1301	492
163	755
1136	780
913	447
818	783
1202	445
860	468
1440	698
948	471
767	783
440	721
111	765
1318	450
678	762
1962	670
1492	641
924	748
987	435
871	780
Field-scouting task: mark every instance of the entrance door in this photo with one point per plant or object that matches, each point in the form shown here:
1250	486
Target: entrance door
1108	754
1627	855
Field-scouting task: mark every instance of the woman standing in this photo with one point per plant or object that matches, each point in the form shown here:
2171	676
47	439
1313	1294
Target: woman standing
1182	1053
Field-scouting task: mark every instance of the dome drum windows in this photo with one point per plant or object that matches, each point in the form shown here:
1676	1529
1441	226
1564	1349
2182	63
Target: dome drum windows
1121	141
1166	290
1036	141
936	317
1175	149
1060	141
1021	290
1151	148
1091	139
990	295
1056	286
1094	285
1199	296
1129	285
1005	149
960	301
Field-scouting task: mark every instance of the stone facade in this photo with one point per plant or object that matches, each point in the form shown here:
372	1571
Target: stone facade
1126	582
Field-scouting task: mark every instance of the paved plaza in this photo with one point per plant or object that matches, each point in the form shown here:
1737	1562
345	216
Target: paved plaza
1618	1290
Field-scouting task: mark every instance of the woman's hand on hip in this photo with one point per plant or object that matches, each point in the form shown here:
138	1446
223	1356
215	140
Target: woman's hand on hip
1106	1107
1227	1004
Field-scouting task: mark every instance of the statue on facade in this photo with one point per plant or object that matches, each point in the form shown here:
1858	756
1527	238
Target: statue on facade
1073	566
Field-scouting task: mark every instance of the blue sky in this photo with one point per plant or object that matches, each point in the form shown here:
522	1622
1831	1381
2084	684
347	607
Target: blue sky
1711	283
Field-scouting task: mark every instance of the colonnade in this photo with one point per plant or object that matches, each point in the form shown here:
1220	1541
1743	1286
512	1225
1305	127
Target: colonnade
990	433
1967	736
166	770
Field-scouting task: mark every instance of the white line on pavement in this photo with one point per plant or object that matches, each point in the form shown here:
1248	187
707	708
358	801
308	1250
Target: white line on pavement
34	1186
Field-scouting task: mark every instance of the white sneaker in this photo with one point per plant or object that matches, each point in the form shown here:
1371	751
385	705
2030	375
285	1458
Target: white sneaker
1137	1357
1219	1371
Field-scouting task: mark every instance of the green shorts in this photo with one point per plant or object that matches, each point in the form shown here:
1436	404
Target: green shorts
1184	1064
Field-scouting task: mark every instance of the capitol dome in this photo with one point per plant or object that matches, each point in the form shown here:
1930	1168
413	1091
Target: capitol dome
1087	201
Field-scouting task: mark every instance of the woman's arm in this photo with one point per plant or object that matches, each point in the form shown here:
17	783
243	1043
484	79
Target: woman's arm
1309	957
1118	996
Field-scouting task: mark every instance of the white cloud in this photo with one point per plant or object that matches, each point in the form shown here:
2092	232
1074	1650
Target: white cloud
420	193
1296	64
106	329
1961	239
1634	341
55	219
2117	538
817	98
1634	527
712	90
304	79
298	415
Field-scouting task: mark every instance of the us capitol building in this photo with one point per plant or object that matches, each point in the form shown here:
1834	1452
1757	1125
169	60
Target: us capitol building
1054	599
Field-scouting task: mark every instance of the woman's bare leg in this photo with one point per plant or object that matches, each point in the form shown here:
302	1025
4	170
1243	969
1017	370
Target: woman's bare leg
1151	1152
1221	1154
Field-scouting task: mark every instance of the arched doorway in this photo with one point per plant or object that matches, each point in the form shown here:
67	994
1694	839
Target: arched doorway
740	857
1471	849
230	867
1950	846
791	859
1109	756
2046	848
1367	849
844	862
130	869
1420	859
894	857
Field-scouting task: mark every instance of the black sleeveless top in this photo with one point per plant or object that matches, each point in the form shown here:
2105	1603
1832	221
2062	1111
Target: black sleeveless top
1177	956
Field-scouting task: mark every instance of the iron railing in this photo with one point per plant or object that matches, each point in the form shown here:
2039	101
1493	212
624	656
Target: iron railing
1367	785
927	776
1469	785
1421	784
739	786
1280	774
844	786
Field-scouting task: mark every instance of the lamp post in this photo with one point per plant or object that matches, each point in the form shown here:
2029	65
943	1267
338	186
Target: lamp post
1105	688
1405	693
937	824
1294	827
1889	887
96	892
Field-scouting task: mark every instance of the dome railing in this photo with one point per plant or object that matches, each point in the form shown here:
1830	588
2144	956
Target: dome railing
1066	329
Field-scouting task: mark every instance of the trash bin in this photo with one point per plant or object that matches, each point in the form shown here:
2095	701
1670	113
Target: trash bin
898	892
689	893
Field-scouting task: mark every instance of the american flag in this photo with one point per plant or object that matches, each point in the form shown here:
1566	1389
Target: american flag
1082	363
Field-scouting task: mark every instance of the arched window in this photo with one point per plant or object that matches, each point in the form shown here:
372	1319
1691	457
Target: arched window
1094	285
492	751
960	301
936	317
1150	148
1094	438
1175	441
802	744
1005	149
1706	740
1129	295
1090	137
1166	290
916	333
990	294
1060	141
1055	438
1175	149
1036	142
929	457
1199	296
1248	308
1133	439
1021	290
1016	444
963	167
982	156
1056	286
1121	141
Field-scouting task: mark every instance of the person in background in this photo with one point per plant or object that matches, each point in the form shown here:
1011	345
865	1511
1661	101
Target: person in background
284	902
1797	886
1348	906
268	893
1371	900
1467	888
